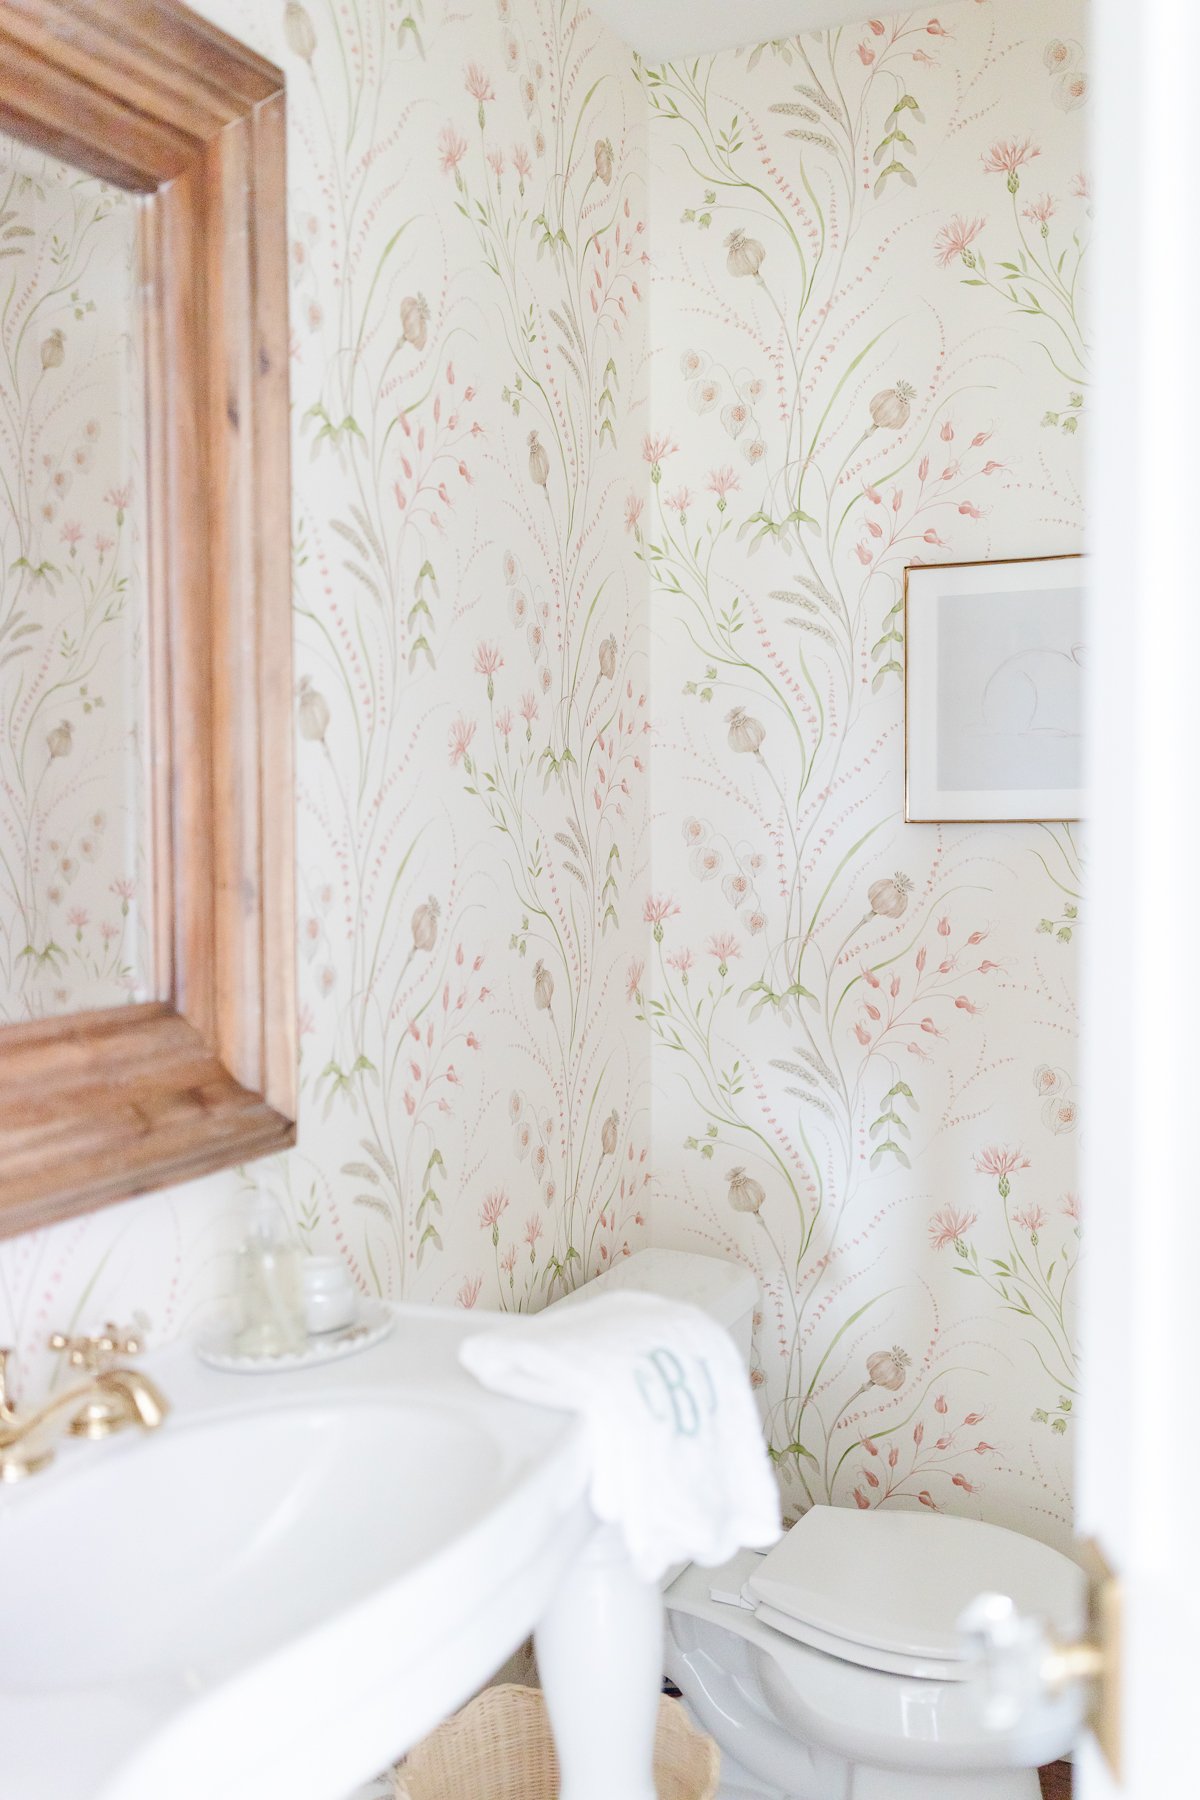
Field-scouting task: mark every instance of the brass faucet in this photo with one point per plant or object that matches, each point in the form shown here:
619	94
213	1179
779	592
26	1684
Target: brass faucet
107	1400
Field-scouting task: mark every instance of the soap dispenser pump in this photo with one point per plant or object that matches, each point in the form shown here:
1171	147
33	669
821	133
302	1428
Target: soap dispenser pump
270	1295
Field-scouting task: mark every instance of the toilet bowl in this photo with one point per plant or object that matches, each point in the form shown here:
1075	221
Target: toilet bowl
832	1668
813	1699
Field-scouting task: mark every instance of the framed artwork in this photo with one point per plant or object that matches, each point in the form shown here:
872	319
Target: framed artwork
993	690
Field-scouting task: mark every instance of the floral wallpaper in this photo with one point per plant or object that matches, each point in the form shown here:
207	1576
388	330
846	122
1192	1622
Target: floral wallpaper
599	539
71	597
869	351
469	277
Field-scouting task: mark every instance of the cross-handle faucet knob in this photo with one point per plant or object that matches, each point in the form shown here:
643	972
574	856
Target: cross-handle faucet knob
100	1351
105	1400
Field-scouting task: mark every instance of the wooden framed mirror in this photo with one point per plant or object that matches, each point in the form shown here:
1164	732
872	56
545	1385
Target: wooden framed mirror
196	1068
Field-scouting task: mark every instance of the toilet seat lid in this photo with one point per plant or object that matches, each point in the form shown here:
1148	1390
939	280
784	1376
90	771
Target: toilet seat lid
898	1582
881	1662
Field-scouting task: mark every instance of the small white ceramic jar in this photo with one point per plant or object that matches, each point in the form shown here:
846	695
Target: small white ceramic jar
330	1297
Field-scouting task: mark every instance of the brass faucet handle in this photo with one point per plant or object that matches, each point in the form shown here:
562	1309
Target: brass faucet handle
100	1351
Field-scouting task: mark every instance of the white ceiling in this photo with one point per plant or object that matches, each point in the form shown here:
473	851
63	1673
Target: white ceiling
664	30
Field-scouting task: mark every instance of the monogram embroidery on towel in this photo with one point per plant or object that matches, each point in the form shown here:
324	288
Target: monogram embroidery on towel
669	1395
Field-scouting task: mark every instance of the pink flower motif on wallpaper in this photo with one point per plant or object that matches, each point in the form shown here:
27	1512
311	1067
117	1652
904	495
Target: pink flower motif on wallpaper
492	1211
478	83
1007	155
724	947
488	661
1055	321
1001	1165
452	147
954	240
950	1225
657	910
723	482
461	734
655	450
1041	211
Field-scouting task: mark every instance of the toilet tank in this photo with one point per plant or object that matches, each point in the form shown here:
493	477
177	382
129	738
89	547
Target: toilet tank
729	1294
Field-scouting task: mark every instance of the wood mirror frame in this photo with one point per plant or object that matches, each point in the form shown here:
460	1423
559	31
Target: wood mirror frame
98	1106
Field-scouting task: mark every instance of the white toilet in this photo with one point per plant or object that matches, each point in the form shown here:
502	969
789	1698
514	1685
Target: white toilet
841	1675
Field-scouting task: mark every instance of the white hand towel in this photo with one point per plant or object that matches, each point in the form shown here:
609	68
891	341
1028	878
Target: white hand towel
678	1460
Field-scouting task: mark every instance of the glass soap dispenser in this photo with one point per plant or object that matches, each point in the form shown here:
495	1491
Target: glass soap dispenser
269	1293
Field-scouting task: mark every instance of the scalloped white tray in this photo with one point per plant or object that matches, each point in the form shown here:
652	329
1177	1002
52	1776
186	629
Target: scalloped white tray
373	1324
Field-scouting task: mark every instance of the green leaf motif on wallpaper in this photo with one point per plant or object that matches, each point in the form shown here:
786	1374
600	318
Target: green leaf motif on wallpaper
342	1081
409	29
335	434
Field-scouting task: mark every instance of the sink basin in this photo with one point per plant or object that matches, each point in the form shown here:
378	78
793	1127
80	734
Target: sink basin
379	1487
286	1586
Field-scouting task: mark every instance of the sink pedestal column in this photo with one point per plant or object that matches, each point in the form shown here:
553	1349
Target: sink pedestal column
600	1656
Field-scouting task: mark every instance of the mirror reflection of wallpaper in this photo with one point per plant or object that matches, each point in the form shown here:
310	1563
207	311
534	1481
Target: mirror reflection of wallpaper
72	936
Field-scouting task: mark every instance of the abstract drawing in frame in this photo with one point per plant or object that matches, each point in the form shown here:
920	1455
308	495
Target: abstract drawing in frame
994	702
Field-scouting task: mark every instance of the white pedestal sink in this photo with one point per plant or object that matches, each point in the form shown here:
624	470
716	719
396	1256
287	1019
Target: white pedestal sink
300	1574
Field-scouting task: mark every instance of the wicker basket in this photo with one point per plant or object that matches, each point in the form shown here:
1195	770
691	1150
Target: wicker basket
499	1748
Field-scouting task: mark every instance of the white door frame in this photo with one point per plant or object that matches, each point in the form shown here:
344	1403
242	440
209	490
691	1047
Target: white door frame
1139	1469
